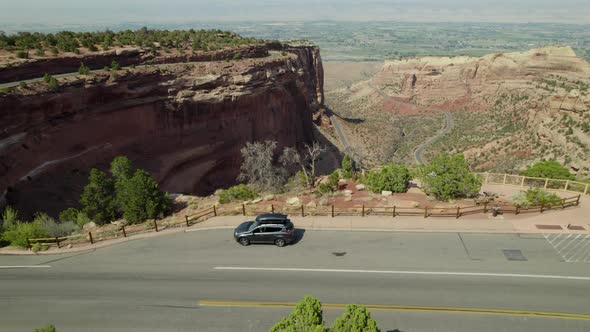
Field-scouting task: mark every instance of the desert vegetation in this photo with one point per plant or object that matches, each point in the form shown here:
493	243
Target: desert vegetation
68	41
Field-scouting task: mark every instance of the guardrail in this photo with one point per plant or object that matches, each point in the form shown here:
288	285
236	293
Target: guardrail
394	211
124	231
527	181
328	210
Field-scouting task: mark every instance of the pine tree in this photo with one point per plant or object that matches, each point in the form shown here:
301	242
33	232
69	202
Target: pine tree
98	198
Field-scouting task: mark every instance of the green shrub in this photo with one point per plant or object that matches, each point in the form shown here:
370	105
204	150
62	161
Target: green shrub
535	197
40	52
549	169
69	214
55	229
333	179
325	188
22	84
237	56
53	85
307	317
355	318
46	78
83	70
36	247
18	233
240	192
284	53
9	218
106	68
393	177
141	199
115	65
347	168
22	54
82	219
98	197
48	328
54	51
448	177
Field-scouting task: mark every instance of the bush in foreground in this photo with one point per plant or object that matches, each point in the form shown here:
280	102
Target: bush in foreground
535	197
393	177
141	198
308	317
448	177
48	328
18	233
240	192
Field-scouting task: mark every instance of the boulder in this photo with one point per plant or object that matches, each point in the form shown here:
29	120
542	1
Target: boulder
323	202
269	197
294	201
69	246
348	198
347	192
386	193
311	204
89	226
360	187
256	201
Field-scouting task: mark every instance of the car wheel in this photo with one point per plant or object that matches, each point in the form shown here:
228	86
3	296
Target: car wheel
244	241
280	242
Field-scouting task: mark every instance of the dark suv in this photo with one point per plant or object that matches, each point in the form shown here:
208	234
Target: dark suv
267	228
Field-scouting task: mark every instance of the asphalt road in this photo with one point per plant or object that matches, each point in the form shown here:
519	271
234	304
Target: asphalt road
165	283
447	127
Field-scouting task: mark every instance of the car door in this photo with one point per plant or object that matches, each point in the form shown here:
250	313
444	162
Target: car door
258	235
271	233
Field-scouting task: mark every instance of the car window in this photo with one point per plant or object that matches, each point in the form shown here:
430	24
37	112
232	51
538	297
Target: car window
257	230
272	229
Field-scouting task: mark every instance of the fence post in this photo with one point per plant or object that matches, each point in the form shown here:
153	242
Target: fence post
186	219
504	182
546	183
458	212
563	203
214	211
542	207
586	189
487	177
125	233
156	225
522	182
394	211
272	208
426	212
485	207
567	184
578	200
57	241
90	237
332	210
363	214
243	209
302	211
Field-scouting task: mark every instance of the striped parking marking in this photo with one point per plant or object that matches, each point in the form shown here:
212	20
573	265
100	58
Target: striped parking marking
573	248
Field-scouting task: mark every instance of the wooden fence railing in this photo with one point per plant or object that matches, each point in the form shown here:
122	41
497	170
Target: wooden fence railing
329	210
527	181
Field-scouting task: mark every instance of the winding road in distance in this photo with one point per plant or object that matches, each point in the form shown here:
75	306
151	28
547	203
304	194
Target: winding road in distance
448	126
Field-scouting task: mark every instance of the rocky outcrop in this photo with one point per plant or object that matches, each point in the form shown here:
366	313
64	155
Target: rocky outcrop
33	68
184	123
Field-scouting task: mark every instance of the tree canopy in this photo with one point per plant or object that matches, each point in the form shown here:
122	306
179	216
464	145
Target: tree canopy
98	197
393	177
448	177
549	169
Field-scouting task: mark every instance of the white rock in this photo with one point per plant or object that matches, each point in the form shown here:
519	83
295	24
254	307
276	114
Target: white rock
311	204
360	187
348	199
89	225
258	200
347	192
386	193
294	201
323	202
69	246
269	197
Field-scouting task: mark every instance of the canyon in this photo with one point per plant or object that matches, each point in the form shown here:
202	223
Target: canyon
508	109
182	118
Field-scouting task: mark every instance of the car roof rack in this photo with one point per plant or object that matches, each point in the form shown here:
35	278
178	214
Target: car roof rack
272	218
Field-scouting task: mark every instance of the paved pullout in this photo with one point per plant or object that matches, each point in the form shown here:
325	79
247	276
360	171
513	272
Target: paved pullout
157	284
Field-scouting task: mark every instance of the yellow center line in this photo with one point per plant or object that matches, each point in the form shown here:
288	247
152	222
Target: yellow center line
481	311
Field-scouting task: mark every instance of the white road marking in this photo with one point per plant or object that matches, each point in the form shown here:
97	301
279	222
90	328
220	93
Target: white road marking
24	266
436	273
572	248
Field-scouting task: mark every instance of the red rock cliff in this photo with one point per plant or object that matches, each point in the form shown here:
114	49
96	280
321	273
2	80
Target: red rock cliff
185	123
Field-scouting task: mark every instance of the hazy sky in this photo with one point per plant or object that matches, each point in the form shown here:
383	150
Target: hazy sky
52	12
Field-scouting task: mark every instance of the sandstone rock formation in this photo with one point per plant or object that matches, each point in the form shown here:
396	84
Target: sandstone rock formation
185	123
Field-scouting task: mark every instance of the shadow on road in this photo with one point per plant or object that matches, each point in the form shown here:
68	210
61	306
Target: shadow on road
299	233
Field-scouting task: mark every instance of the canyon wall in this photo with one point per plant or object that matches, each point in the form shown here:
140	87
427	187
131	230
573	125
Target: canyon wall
185	123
